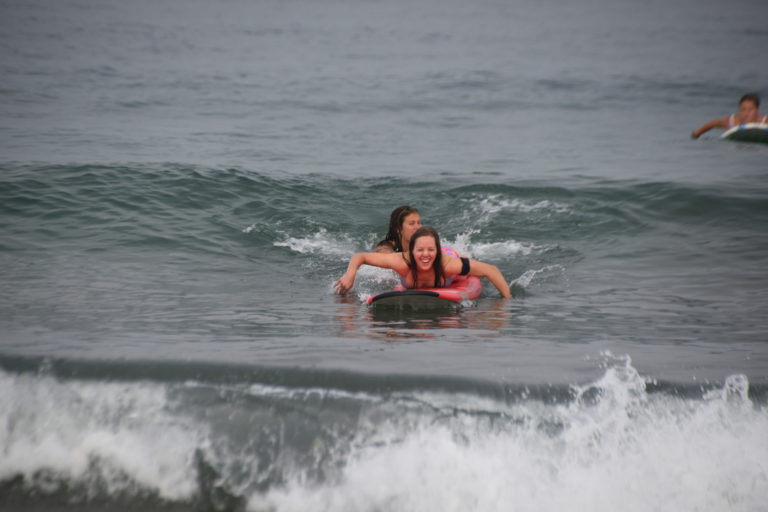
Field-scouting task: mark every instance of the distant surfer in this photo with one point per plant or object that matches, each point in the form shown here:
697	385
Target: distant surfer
423	266
749	112
403	222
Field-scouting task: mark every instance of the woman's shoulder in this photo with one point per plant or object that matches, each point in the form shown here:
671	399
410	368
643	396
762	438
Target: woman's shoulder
385	247
397	261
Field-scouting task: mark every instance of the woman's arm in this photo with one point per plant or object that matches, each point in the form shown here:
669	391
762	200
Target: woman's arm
393	261
492	273
479	269
715	123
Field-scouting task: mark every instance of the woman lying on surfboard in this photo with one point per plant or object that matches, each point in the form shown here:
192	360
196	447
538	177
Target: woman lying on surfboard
423	266
403	222
749	112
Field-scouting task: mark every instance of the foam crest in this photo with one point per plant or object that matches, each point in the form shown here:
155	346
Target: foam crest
613	447
493	250
501	250
485	208
461	243
108	436
320	242
735	391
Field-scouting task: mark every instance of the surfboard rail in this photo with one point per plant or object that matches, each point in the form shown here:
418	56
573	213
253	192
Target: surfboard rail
747	132
463	289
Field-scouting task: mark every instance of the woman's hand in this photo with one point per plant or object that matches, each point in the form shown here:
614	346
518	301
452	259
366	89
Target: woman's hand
393	261
344	284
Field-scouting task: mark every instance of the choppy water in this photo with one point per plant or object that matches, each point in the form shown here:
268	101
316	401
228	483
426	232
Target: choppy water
181	183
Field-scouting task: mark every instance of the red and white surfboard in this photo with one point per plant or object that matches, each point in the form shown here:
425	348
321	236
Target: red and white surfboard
460	290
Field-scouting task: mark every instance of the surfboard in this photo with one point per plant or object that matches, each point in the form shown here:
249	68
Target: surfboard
428	298
748	132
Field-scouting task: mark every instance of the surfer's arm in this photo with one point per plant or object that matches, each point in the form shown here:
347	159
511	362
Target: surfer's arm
492	273
375	259
480	269
721	122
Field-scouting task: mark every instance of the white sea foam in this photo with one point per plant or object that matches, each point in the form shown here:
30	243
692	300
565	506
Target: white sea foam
613	448
117	434
320	242
501	250
484	208
491	250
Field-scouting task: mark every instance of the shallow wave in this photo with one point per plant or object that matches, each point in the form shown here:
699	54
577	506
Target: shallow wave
185	204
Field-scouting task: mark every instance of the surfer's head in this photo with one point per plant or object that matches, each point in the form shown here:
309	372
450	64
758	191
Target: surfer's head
424	253
403	221
753	97
748	108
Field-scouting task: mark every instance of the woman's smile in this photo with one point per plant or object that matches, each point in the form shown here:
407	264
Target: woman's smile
424	251
426	261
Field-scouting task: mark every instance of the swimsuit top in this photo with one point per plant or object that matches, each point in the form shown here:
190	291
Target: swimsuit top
732	122
448	280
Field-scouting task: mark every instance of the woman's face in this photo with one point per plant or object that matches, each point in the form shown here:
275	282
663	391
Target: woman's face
411	223
424	252
748	111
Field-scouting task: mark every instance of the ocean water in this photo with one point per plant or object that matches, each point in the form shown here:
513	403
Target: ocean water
182	181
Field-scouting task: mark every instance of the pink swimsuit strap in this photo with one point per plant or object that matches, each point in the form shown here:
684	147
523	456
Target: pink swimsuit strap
450	251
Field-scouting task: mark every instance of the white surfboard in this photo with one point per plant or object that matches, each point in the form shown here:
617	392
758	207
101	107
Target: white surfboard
748	132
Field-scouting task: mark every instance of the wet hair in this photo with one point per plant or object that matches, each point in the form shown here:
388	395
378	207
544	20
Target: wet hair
437	265
396	219
751	96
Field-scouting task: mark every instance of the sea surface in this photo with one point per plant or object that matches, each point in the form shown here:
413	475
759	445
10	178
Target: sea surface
182	181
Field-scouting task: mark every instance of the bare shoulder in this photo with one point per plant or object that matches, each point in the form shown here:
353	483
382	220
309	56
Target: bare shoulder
384	248
451	264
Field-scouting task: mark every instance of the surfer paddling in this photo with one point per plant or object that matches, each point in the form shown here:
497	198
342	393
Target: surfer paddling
749	112
423	266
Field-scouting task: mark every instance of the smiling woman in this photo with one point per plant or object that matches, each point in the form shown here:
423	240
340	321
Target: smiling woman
423	266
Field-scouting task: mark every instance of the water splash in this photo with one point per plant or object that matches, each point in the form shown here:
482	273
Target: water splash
525	280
